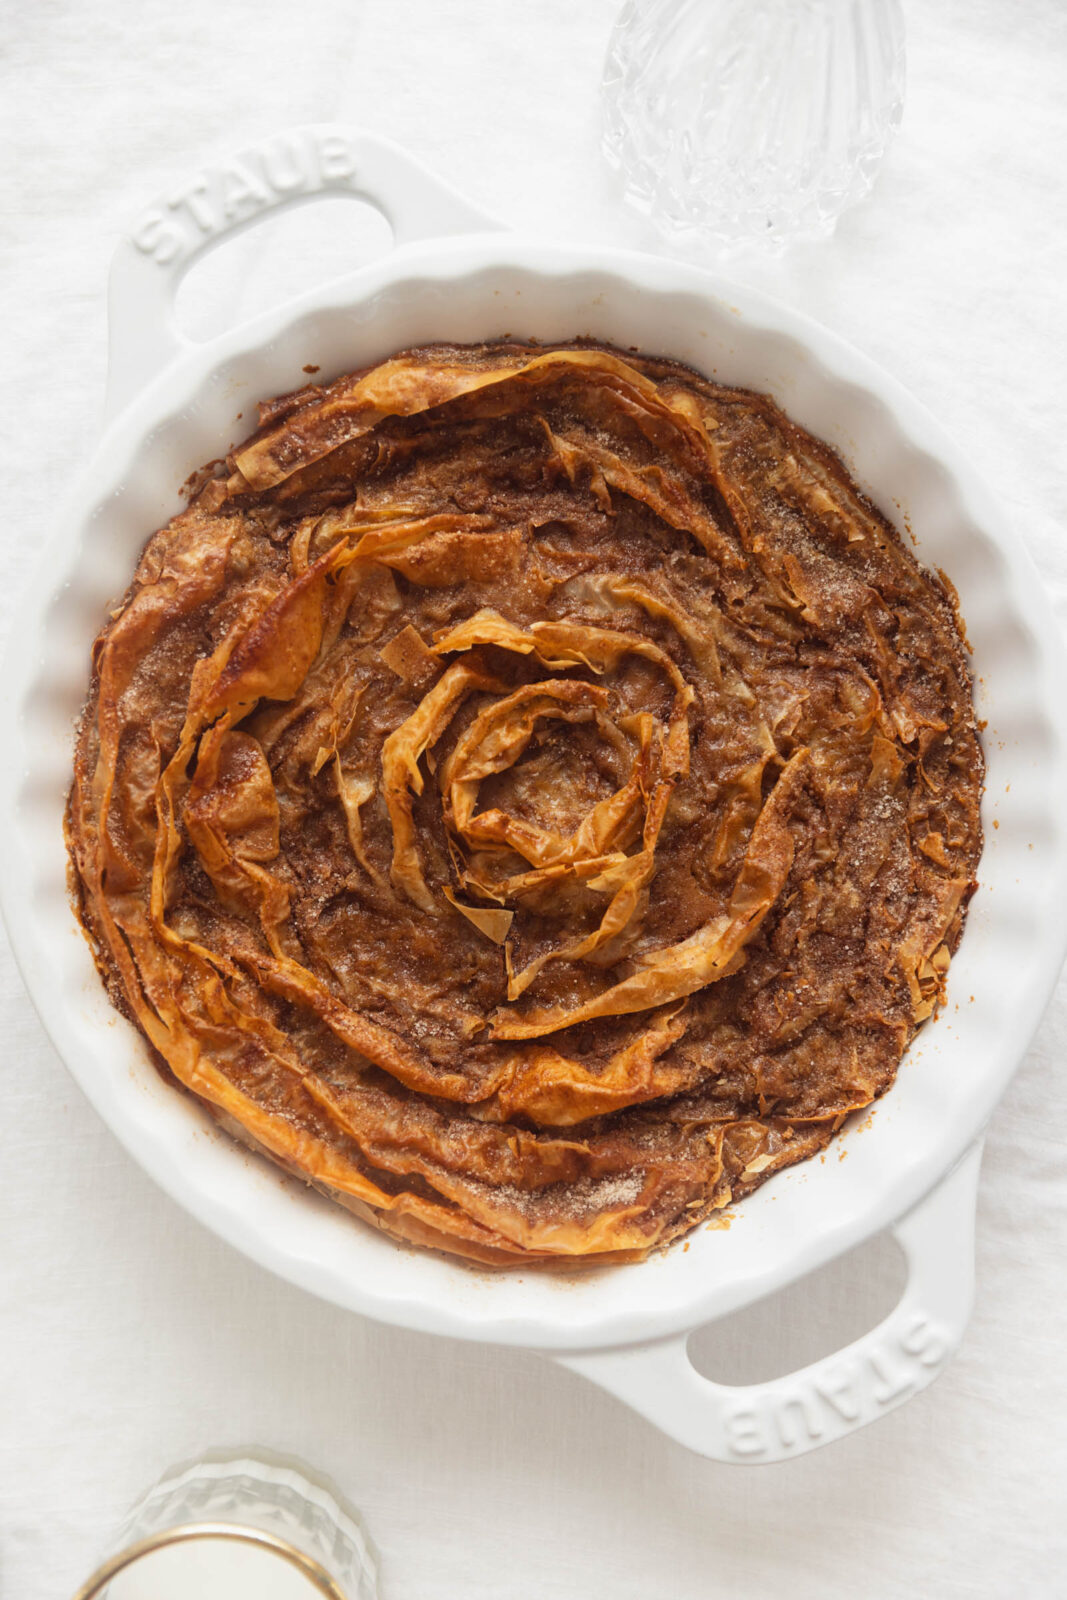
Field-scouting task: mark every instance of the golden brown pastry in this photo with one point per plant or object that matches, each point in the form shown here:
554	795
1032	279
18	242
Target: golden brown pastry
530	794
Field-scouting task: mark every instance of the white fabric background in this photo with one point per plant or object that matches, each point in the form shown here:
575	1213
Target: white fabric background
129	1337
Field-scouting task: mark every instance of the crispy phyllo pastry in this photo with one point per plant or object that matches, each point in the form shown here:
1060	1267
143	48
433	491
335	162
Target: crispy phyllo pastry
530	794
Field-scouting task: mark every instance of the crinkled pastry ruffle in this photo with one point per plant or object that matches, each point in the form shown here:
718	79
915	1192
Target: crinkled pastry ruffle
530	794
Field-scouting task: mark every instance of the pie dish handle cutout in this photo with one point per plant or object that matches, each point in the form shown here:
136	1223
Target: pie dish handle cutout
791	1415
286	170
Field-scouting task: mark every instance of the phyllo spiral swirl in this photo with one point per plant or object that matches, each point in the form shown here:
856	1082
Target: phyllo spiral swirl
529	793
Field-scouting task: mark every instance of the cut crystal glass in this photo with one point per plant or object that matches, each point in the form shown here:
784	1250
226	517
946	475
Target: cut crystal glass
740	122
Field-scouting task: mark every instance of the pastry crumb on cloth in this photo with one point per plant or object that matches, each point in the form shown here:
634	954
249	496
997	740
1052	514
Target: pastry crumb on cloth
529	793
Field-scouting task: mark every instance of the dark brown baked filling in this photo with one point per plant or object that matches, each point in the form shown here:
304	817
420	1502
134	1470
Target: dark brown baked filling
531	794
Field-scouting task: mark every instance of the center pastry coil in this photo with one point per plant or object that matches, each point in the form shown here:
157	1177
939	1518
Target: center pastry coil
531	794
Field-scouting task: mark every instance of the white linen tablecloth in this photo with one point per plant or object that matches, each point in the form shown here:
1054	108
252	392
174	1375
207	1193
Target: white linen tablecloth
130	1338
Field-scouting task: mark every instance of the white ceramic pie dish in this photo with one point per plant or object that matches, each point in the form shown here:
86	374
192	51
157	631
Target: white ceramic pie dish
913	1166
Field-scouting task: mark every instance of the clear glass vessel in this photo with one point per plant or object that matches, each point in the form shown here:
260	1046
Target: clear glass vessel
241	1528
741	122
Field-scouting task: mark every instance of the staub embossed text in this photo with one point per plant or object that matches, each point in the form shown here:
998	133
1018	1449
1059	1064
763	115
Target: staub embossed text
840	1395
220	198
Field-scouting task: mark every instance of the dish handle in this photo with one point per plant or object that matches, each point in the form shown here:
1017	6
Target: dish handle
289	169
789	1416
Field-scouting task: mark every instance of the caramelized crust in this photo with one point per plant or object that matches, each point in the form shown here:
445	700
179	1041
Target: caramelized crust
530	794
